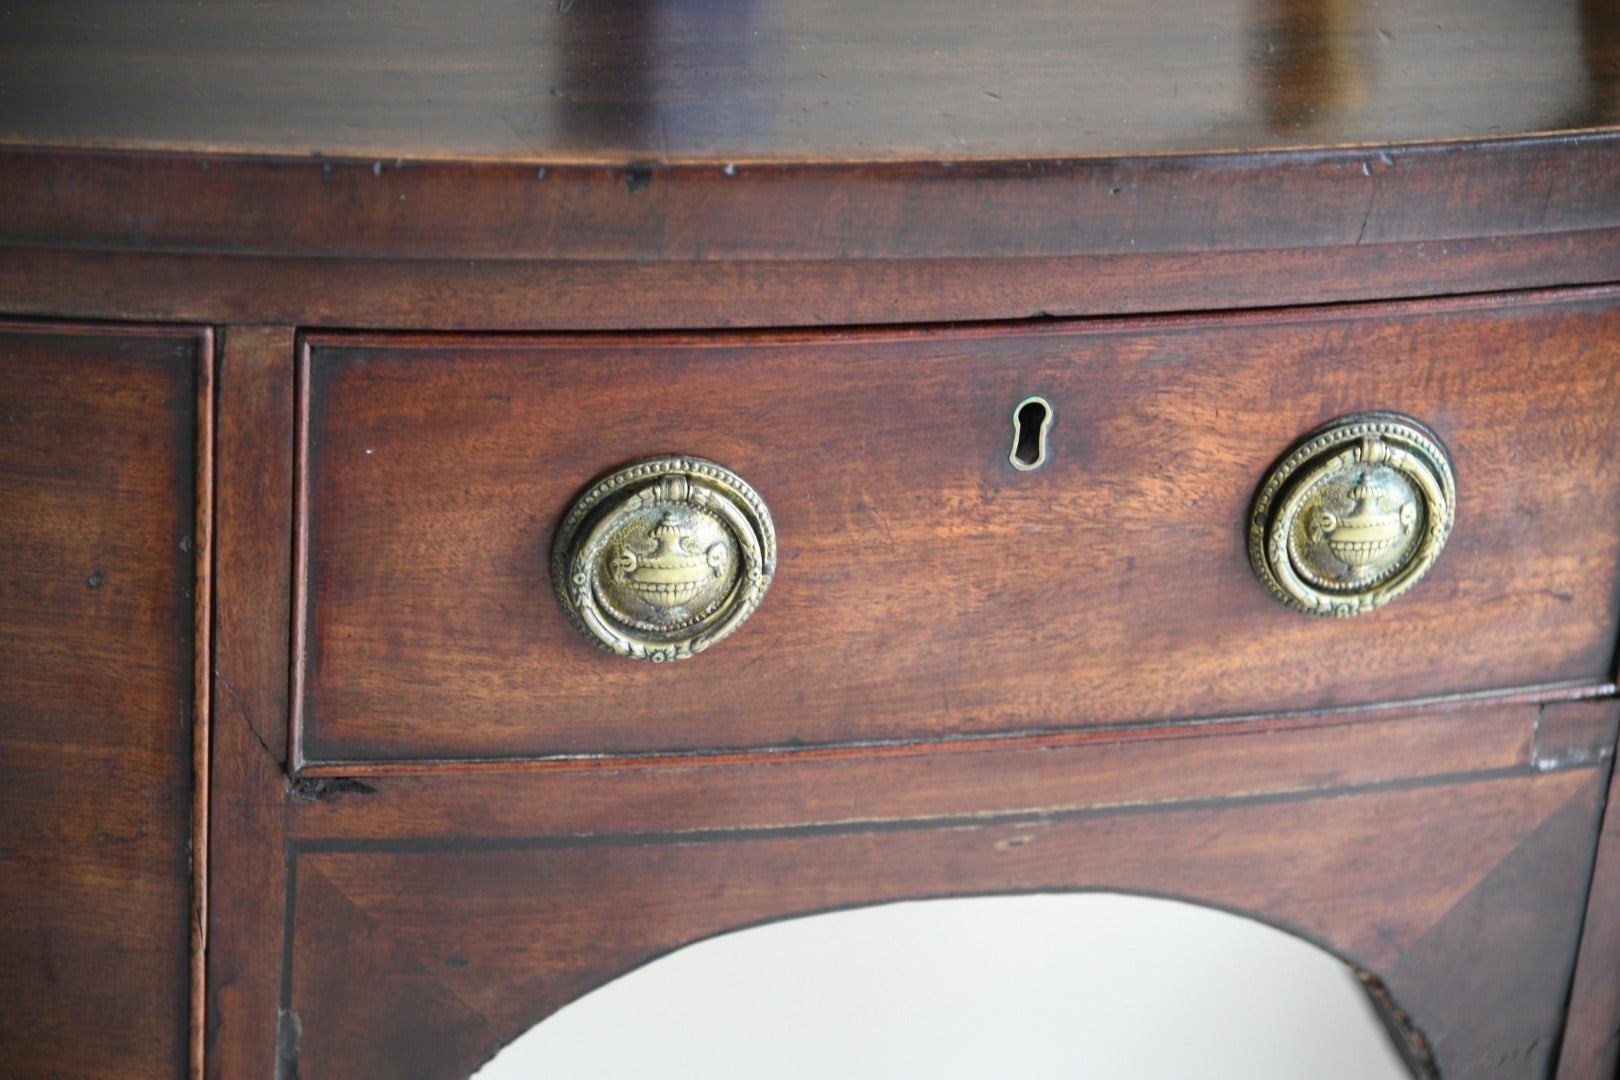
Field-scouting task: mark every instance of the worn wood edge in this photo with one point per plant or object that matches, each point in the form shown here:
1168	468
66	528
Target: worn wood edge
300	547
1589	1048
635	210
312	339
203	335
202	711
217	150
1575	733
313	769
555	296
289	1026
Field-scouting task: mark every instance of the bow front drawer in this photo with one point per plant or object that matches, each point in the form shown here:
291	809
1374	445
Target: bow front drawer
985	530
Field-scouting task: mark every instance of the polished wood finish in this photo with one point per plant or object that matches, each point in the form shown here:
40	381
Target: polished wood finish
578	174
925	589
791	80
862	195
99	541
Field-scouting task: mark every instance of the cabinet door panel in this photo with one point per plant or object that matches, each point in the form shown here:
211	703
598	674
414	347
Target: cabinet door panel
97	549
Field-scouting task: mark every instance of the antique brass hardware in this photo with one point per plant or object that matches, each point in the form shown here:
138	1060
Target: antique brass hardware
1354	515
1031	420
663	558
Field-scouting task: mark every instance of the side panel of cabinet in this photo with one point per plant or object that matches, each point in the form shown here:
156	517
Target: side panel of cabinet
98	541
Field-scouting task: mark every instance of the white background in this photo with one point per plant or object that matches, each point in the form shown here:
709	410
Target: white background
1093	985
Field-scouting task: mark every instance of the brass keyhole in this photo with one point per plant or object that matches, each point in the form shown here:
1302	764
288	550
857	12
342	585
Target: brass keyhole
1031	421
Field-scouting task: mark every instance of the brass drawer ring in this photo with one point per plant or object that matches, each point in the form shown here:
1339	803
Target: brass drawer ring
1354	516
664	557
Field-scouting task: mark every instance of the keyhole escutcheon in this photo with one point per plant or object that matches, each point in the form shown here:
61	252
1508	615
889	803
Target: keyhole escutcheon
1031	421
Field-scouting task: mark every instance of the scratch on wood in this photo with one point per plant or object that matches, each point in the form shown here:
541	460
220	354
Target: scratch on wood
326	788
1372	199
236	699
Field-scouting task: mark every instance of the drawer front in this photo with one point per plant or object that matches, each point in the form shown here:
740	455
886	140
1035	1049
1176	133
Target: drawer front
925	588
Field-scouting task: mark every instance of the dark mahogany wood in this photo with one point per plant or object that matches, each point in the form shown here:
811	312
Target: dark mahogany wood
610	169
202	659
853	190
723	80
98	543
925	589
256	240
434	294
1007	777
455	937
249	789
923	209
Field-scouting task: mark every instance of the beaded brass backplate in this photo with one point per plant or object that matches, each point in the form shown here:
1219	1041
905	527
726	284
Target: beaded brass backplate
663	558
1354	516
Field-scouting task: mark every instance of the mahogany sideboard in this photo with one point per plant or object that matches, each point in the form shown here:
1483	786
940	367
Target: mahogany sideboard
317	320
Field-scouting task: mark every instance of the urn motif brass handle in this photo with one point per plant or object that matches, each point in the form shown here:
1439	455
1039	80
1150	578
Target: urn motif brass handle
663	558
1354	516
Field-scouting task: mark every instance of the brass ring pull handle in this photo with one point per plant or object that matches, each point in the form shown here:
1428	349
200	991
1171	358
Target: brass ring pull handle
664	557
1354	516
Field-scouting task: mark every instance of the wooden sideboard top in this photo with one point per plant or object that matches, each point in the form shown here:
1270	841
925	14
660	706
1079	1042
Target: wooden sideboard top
576	164
777	81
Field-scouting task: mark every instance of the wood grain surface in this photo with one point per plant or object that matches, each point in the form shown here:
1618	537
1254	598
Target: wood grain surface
725	80
485	295
1027	650
925	589
202	690
96	697
1082	770
421	956
1220	202
249	785
721	164
1436	146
